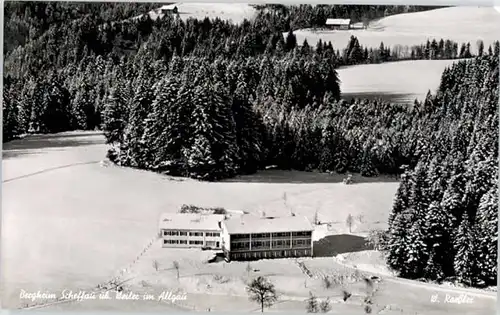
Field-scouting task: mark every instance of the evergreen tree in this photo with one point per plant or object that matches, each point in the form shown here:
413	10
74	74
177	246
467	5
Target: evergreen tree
83	109
162	129
328	148
399	243
213	151
466	260
248	135
367	166
487	228
401	201
54	115
115	116
480	48
135	151
418	252
438	225
10	115
291	41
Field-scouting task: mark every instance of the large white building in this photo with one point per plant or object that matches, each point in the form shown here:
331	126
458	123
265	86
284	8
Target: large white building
250	237
191	230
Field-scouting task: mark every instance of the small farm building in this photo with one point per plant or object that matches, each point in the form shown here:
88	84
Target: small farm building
169	9
338	24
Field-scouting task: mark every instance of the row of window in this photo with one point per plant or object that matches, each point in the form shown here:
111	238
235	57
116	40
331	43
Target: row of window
267	244
174	233
174	242
281	234
208	234
268	235
273	254
182	242
302	234
240	245
183	233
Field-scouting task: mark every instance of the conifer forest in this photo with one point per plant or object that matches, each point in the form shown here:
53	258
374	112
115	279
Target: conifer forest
211	100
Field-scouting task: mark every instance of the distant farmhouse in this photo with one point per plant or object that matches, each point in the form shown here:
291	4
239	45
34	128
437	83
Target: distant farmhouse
191	230
169	9
338	24
251	237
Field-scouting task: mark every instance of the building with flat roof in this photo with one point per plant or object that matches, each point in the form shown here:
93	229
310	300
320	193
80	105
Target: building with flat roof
191	230
250	237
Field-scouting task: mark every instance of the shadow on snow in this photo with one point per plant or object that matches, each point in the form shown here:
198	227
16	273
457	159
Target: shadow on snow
300	177
399	98
333	245
32	144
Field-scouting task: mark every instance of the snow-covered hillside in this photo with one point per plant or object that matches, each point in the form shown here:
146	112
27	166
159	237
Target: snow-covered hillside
236	12
460	24
400	82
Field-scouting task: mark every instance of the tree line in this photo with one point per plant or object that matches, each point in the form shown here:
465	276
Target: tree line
445	215
54	81
355	53
293	17
28	20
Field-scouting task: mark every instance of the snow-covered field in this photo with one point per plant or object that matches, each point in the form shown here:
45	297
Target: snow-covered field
400	82
460	24
235	12
70	222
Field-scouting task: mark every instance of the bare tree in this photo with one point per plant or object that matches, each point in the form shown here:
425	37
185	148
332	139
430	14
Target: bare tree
327	282
312	305
349	222
176	267
377	239
370	294
325	306
360	218
316	219
262	291
156	265
366	22
287	206
248	269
